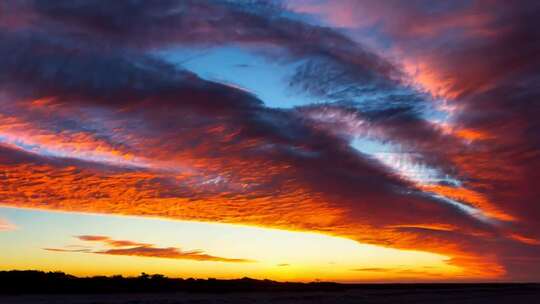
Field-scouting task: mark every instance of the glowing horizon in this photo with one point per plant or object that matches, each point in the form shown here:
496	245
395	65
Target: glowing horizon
306	256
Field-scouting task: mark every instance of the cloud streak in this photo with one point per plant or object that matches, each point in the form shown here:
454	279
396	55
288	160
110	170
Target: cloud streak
131	248
6	226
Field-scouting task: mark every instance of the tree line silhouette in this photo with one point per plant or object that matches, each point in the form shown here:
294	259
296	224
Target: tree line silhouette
32	281
38	282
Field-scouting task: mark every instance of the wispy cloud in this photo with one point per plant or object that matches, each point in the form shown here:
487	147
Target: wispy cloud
283	265
6	226
110	242
130	248
401	272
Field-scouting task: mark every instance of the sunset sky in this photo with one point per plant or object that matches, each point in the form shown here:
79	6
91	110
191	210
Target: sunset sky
294	140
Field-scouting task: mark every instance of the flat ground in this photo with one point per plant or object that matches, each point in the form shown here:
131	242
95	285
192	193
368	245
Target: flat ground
357	296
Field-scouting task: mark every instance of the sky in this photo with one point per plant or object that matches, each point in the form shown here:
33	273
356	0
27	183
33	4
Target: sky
294	140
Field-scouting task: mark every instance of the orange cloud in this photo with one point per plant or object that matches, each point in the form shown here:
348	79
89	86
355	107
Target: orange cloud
130	248
470	197
295	207
66	250
169	253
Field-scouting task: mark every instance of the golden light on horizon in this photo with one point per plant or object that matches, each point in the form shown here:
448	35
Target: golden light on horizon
274	254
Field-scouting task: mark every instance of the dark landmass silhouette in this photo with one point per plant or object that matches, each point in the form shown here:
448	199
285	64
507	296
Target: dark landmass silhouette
38	282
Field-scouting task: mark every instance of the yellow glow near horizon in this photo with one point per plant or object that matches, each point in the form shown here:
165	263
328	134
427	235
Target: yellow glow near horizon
277	254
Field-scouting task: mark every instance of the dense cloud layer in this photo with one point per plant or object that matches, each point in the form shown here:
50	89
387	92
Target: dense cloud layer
92	120
482	57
